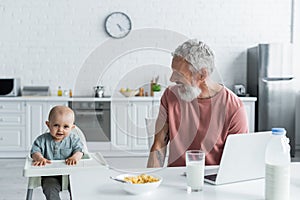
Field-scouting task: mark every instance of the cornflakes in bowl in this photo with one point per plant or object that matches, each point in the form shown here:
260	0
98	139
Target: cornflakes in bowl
140	184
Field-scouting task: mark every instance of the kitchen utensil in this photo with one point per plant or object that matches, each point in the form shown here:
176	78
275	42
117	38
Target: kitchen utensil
119	180
129	93
156	79
99	91
239	90
36	91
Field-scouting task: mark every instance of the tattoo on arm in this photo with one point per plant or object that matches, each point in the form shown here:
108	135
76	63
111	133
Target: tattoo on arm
167	138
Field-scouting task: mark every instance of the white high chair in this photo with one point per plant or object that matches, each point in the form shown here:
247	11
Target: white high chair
35	181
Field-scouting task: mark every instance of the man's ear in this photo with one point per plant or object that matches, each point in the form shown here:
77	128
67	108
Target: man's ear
203	74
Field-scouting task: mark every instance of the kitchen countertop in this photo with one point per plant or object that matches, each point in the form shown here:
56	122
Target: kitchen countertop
56	98
35	98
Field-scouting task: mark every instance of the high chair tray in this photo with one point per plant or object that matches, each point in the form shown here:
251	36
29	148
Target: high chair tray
59	167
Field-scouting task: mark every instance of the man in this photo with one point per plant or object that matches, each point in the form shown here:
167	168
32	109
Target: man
196	113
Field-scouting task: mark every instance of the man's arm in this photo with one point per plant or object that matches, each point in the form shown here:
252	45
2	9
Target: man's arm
159	148
239	122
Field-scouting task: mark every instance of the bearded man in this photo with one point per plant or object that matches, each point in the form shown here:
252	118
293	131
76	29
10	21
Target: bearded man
197	112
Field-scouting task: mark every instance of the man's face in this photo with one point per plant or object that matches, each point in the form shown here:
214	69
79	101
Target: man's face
183	77
60	126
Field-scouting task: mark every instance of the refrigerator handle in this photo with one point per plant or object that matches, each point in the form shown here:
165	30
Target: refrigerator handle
277	79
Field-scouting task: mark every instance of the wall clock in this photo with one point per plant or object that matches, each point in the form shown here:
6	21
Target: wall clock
117	25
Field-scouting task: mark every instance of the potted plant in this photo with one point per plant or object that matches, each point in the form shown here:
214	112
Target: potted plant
156	87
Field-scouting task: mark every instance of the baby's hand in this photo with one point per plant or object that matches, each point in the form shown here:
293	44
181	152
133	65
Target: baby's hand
71	161
41	162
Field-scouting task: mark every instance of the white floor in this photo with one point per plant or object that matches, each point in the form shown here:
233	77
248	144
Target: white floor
13	185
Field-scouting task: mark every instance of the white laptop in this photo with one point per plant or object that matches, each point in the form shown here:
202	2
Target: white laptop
243	158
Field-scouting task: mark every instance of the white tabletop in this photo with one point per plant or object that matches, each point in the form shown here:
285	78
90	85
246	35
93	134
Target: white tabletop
95	184
59	167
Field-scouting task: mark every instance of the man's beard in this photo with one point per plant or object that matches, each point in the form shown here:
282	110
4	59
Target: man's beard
188	93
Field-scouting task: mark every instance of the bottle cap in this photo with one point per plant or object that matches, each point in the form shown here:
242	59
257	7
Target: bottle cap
278	131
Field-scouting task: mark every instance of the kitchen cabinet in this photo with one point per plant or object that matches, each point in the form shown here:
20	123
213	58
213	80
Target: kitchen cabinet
139	132
36	115
128	127
119	125
21	121
249	104
12	127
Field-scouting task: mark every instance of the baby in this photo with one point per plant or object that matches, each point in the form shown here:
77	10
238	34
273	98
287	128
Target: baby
57	144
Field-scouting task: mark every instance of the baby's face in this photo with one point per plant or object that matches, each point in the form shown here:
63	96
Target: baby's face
60	126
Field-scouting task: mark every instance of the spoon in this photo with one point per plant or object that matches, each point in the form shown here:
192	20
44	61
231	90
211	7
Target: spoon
120	180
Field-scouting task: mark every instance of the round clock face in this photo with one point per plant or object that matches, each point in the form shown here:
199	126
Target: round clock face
117	25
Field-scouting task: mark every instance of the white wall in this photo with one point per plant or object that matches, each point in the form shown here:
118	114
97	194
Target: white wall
54	42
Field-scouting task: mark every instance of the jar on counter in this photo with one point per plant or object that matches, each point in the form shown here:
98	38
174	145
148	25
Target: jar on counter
59	91
66	93
141	92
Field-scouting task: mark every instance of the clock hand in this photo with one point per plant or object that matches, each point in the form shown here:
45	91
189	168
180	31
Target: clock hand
120	27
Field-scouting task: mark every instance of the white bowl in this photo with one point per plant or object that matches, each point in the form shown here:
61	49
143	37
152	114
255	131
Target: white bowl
130	93
142	188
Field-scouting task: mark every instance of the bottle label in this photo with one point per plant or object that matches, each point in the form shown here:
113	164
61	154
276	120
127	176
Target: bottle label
277	183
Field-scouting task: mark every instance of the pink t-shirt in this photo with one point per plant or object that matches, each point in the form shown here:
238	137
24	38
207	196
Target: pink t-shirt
201	124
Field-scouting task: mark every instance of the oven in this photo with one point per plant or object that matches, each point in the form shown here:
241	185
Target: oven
93	118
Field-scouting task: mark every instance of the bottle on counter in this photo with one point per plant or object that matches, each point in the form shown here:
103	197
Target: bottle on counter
59	91
141	92
151	88
70	93
277	169
66	93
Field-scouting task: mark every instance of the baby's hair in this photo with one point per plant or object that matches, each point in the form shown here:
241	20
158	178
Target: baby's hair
59	110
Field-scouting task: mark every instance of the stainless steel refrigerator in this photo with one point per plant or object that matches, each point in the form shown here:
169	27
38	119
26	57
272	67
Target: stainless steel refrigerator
270	78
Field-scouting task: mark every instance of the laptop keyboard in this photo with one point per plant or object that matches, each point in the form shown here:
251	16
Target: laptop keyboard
212	177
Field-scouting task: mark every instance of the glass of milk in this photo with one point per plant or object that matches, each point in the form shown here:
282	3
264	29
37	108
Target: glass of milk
195	163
